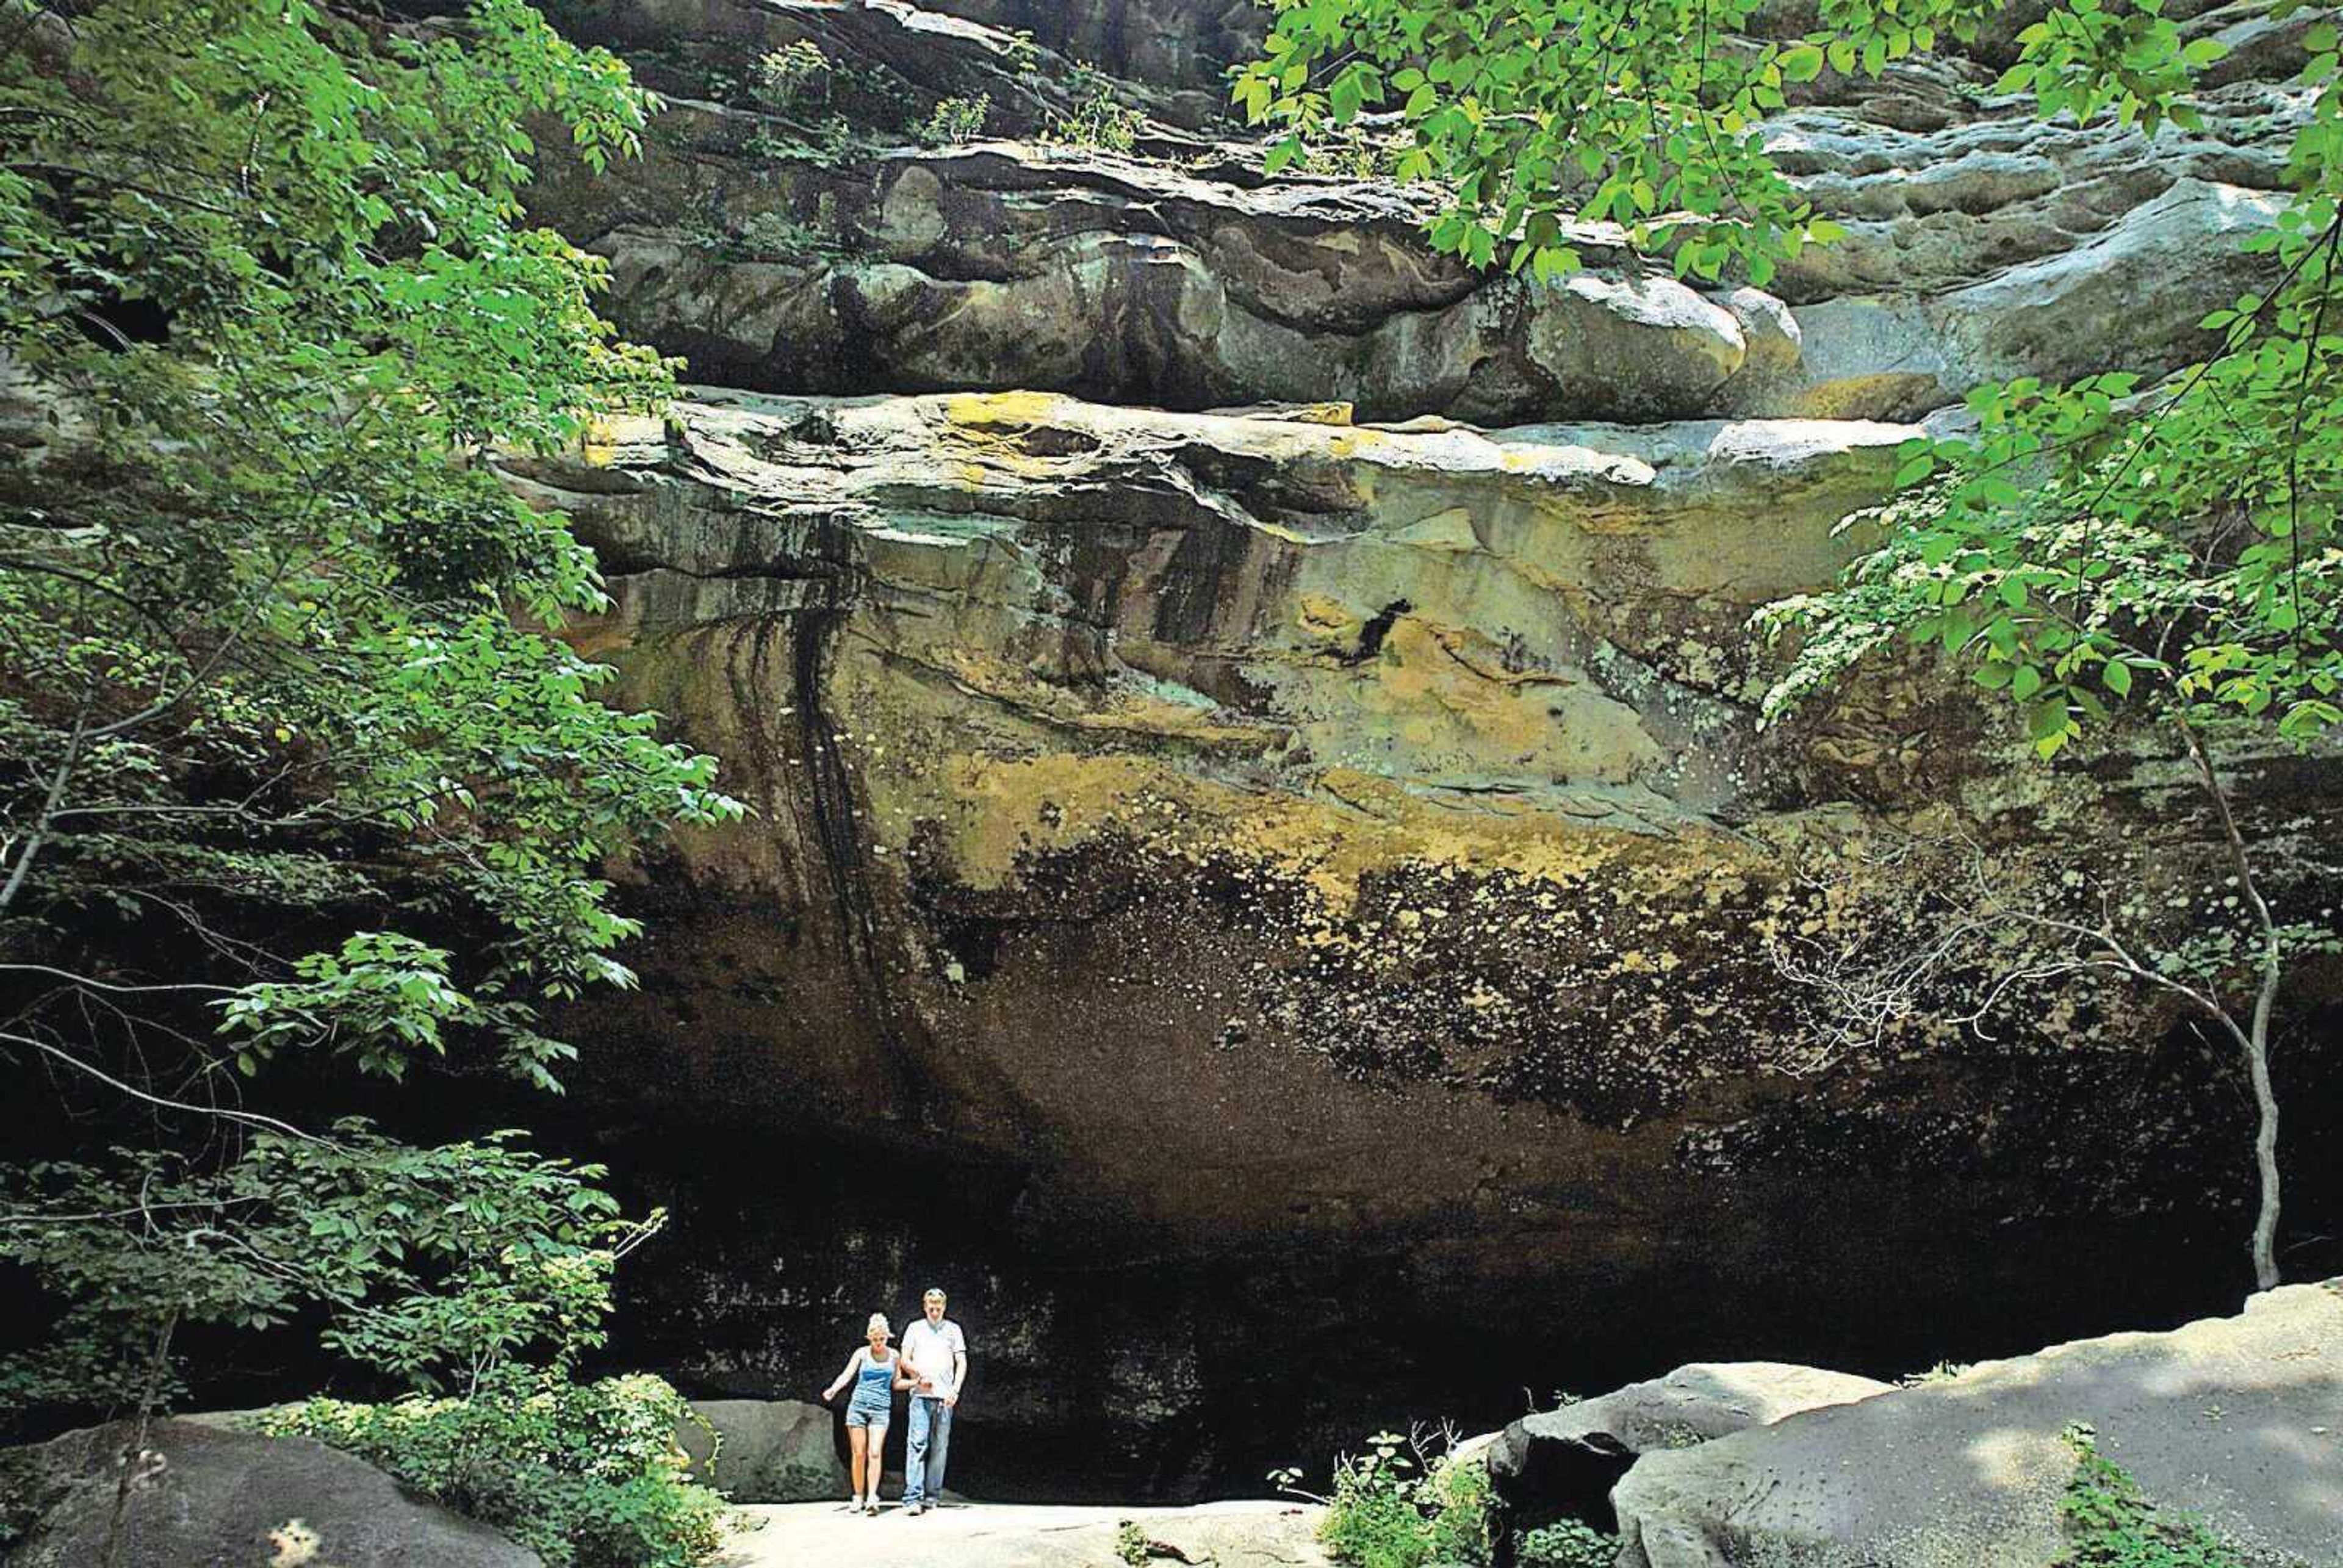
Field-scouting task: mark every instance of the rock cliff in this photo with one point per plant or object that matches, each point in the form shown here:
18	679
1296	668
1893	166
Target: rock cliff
1262	825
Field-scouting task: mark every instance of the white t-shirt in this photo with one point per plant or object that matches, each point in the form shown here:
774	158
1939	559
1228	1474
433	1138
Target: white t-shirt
930	1347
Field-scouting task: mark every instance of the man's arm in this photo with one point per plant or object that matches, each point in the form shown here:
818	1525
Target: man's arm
960	1367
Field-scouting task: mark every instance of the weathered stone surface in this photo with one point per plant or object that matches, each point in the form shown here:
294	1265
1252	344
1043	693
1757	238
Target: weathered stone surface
1561	1464
1160	56
994	1535
2237	1420
1179	44
1309	874
773	1449
1981	245
207	1496
1165	818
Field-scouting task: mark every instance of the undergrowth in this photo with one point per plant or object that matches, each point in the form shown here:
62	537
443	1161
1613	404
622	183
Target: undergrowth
586	1475
2111	1524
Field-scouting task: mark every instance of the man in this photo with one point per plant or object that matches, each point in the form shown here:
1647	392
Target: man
938	1354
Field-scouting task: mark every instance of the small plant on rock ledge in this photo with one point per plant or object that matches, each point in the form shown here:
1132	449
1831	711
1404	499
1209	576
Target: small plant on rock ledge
1406	1502
956	122
1096	118
2111	1524
1566	1543
792	73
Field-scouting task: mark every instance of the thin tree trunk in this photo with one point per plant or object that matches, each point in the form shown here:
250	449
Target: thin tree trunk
2264	1243
2255	1039
134	1452
31	847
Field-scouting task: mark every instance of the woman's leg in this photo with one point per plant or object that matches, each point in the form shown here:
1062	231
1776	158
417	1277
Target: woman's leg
877	1459
857	1440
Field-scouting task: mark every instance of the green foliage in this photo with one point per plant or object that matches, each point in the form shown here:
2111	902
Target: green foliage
1351	152
2103	554
1545	117
586	1475
1942	1372
1130	1544
290	764
791	73
1395	1507
832	142
2089	554
2110	1523
770	235
1566	1543
956	122
439	1266
1095	117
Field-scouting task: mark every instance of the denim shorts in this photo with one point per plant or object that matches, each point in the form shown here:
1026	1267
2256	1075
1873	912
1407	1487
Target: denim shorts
874	1419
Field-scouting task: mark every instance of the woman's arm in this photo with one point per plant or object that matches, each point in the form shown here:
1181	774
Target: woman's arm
853	1365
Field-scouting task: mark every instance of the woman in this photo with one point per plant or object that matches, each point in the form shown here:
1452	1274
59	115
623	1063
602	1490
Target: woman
876	1372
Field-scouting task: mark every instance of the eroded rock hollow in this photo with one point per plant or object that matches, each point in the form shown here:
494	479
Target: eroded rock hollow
1267	877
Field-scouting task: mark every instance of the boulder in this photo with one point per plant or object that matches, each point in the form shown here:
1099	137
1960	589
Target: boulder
207	1497
774	1450
1561	1464
2237	1421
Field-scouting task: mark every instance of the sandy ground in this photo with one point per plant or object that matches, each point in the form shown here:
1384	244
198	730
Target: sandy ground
1268	1535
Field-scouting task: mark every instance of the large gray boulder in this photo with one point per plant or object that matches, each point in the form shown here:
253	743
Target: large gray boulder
203	1496
774	1450
2239	1420
1561	1464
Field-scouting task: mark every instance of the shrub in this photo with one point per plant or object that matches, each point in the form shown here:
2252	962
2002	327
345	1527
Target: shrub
1395	1507
2110	1523
790	73
1096	117
957	121
586	1475
1566	1543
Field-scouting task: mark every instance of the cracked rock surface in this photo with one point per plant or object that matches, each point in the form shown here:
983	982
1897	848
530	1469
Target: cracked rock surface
1261	824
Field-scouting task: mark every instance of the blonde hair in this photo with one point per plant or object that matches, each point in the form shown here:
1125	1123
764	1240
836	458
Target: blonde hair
935	1293
877	1321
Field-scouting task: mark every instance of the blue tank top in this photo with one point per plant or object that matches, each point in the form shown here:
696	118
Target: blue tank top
874	1384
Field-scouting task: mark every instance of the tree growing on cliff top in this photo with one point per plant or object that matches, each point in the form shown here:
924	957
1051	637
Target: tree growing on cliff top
282	779
2105	554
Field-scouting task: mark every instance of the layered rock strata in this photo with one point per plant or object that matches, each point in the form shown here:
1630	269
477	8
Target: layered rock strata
1203	840
1980	245
1296	863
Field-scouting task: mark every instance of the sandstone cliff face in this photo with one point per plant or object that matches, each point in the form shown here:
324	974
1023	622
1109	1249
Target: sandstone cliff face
1981	246
1226	876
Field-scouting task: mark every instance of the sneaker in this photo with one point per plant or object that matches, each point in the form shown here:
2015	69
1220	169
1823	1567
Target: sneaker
871	1507
918	1508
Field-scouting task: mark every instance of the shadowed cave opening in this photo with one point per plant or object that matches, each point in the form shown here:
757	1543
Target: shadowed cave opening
1106	1371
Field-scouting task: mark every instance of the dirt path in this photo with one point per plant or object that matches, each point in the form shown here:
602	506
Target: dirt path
1266	1535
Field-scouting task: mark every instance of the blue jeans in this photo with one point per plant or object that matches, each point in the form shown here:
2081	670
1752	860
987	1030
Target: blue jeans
923	1455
